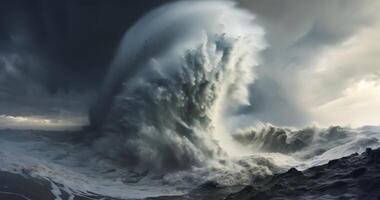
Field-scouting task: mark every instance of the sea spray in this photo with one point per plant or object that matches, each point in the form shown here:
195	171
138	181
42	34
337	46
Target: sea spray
179	72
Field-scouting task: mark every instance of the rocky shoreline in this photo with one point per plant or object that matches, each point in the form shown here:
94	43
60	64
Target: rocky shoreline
353	177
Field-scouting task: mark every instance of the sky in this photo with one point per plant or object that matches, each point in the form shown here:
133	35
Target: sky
321	65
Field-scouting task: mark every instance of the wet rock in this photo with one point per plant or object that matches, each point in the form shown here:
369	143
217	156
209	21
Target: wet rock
352	177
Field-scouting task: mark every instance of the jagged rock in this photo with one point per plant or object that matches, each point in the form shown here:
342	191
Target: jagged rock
352	177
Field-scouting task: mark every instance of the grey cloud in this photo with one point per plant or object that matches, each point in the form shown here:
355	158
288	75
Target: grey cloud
54	54
298	33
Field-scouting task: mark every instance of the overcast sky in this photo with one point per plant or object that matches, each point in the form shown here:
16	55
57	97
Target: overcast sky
321	65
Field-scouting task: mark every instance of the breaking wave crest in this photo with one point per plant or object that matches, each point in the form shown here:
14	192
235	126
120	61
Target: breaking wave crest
179	73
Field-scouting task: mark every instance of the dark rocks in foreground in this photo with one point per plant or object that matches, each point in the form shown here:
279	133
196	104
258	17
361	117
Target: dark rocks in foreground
353	177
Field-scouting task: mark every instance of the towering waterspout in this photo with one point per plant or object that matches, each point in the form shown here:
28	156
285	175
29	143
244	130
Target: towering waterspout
179	72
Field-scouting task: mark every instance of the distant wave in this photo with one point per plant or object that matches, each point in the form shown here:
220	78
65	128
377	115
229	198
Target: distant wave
179	72
310	146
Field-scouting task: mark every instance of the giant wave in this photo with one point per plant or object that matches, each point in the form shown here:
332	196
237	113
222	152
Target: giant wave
164	114
179	73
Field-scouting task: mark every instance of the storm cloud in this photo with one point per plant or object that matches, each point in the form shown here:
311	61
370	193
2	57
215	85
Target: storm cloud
321	56
54	54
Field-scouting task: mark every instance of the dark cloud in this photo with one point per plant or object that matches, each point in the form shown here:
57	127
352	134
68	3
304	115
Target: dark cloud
75	39
54	54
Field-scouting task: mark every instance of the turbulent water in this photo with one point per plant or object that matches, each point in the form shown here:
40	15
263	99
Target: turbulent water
78	170
179	72
162	117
